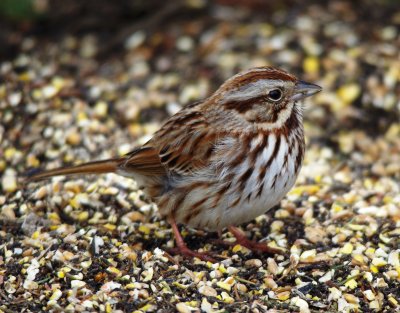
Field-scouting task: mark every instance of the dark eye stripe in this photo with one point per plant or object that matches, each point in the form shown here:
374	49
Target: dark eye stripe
243	106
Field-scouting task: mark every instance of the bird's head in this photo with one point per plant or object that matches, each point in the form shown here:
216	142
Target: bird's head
266	96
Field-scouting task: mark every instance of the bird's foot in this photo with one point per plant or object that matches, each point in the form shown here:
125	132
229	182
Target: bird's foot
182	249
188	253
255	246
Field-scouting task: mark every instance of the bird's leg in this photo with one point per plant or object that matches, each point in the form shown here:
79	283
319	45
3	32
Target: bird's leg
242	240
181	247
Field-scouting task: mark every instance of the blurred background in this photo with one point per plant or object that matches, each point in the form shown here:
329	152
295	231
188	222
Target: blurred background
84	80
130	64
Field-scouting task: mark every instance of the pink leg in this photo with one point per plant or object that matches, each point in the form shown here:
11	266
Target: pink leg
182	247
250	244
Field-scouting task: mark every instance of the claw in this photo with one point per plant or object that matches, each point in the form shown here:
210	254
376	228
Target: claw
242	240
182	248
188	253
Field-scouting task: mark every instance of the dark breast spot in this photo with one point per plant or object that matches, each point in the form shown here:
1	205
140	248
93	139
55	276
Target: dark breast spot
274	153
245	177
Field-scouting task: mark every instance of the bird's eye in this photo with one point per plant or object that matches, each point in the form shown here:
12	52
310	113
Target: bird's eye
275	94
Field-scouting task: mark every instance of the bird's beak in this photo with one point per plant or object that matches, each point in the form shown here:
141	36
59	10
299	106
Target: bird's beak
304	90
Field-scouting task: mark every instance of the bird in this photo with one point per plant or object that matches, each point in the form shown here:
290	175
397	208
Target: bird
222	161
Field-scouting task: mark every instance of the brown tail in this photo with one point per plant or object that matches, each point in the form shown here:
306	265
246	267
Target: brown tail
96	167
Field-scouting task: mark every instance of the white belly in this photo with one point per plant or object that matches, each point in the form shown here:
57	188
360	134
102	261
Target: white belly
249	198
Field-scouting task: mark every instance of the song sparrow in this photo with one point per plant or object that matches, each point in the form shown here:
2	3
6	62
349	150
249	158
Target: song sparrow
222	161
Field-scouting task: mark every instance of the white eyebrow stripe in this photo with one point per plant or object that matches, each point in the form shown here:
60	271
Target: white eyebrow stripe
249	91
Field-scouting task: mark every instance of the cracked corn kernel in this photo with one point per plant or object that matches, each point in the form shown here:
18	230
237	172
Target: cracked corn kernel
147	307
73	138
347	248
336	207
81	116
109	226
308	189
83	216
144	229
393	301
227	298
10	153
77	283
224	285
311	65
101	109
308	255
369	294
374	305
60	274
75	203
283	296
348	93
239	248
359	258
368	276
9	183
56	294
352	283
208	291
276	226
36	234
351	298
114	270
370	252
182	307
356	227
2	165
32	161
378	262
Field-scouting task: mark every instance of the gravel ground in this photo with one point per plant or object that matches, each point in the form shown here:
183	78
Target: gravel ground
96	244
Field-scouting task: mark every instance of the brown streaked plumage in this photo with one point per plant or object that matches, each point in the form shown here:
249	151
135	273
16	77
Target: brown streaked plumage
222	161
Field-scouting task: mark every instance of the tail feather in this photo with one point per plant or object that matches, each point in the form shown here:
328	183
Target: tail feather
96	167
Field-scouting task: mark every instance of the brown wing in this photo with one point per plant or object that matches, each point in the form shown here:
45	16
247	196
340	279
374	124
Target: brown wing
182	146
145	161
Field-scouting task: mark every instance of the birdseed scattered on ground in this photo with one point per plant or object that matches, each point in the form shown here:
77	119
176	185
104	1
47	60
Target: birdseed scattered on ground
97	244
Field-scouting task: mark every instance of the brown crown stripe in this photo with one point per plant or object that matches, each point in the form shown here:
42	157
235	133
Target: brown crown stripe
256	74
